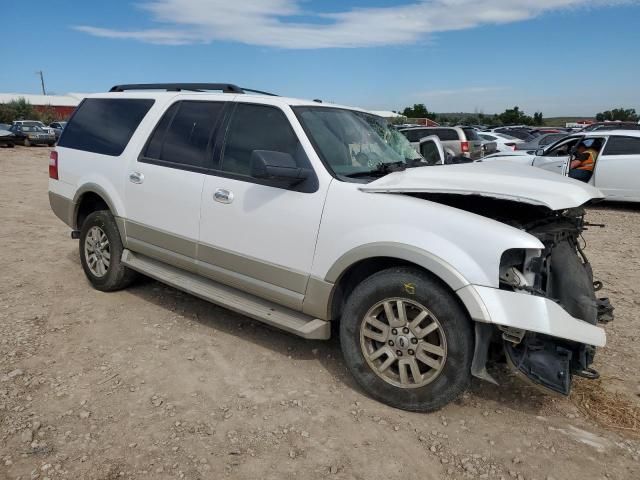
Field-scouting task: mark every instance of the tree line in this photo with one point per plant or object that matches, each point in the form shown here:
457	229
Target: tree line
21	109
511	116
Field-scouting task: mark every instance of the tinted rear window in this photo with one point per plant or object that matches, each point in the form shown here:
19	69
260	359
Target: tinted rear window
446	134
104	125
622	146
416	135
471	134
184	134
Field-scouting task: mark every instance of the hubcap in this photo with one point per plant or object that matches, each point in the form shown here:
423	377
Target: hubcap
403	343
97	251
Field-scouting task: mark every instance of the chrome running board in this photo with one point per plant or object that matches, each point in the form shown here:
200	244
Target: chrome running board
230	298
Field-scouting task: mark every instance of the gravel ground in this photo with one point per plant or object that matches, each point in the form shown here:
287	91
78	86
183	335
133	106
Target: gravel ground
153	383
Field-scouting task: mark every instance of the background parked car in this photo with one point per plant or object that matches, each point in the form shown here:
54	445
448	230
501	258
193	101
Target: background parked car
462	141
617	168
488	146
57	128
504	142
37	123
611	126
31	134
7	138
523	134
541	141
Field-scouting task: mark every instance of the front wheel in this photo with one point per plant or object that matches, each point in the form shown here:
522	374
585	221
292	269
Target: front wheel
101	251
406	340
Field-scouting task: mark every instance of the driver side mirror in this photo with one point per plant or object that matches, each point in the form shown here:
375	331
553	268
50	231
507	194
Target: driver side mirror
540	152
278	166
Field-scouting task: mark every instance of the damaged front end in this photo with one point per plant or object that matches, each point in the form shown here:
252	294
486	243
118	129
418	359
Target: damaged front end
562	274
548	330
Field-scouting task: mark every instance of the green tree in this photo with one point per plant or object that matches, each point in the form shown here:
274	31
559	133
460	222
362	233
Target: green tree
16	110
537	119
515	116
622	114
419	110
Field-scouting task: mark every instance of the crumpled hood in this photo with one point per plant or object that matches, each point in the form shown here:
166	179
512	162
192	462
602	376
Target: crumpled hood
502	180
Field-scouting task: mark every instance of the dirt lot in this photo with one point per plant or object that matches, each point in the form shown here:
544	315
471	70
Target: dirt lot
152	383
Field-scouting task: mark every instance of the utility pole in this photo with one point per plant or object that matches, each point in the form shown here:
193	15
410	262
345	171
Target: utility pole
39	72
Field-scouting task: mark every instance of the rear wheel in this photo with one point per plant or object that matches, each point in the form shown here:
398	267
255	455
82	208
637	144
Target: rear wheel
101	251
406	340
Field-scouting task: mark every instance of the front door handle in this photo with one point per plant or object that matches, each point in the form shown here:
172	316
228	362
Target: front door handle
136	177
223	196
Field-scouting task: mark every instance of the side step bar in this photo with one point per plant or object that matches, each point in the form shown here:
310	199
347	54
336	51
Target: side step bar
230	298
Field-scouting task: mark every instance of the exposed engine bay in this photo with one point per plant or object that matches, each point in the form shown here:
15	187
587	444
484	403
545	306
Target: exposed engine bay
561	273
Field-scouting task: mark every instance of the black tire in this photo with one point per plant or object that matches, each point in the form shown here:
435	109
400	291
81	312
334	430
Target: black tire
117	275
422	288
51	144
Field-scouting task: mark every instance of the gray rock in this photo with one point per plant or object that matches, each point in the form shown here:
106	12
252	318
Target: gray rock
27	436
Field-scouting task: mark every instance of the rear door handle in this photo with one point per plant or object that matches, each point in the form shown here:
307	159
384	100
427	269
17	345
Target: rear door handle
223	196
136	177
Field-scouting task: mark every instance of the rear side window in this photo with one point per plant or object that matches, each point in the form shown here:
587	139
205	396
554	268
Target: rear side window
416	135
446	134
184	134
258	127
471	134
622	146
104	125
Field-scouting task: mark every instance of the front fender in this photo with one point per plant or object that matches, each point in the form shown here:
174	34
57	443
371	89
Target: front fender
461	248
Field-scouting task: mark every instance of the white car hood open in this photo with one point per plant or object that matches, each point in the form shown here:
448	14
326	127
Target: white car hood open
502	180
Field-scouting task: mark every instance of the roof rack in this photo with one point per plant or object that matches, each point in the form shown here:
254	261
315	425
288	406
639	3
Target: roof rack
191	87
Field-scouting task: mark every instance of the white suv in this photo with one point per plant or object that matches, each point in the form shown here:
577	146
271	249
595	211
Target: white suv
299	214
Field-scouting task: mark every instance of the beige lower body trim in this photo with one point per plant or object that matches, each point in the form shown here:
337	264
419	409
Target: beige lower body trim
265	280
62	207
317	300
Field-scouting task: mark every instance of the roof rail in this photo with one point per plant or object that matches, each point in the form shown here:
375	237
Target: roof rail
191	87
250	90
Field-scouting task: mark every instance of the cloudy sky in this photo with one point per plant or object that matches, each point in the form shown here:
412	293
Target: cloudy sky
573	57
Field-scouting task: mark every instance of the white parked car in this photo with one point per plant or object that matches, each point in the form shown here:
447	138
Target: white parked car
617	169
299	214
504	142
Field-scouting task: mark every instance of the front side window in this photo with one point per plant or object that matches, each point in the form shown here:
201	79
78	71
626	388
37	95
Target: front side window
355	143
258	127
184	134
563	149
104	125
622	146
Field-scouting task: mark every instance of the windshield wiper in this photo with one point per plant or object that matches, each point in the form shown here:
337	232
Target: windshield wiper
380	170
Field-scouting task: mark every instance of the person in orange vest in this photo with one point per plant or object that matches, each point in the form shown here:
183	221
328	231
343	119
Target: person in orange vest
583	163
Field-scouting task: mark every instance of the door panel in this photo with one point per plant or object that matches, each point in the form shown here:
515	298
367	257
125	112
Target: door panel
618	176
257	236
552	164
164	185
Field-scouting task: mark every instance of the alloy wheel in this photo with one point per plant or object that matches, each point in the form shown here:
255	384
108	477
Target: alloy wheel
403	343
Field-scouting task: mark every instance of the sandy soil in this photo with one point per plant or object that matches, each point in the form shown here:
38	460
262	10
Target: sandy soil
153	383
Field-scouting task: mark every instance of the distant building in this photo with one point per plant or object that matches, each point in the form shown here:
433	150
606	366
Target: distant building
396	116
578	124
61	106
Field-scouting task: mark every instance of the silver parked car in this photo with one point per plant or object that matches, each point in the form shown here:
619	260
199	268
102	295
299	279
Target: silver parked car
463	141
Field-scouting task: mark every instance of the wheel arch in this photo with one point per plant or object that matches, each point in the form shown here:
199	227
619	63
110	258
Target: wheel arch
361	262
89	198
